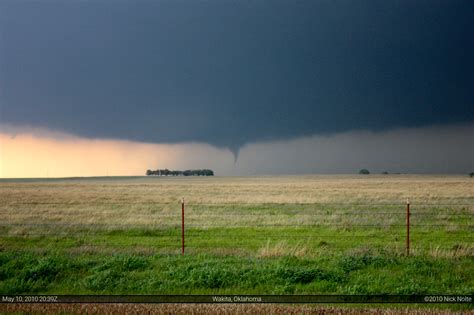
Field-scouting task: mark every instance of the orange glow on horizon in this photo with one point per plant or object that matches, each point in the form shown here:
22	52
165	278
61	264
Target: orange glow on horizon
30	155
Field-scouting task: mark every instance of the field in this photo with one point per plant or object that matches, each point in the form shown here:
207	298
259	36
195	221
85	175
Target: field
244	235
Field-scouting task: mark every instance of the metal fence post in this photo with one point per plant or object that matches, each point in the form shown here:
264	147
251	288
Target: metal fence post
182	226
408	229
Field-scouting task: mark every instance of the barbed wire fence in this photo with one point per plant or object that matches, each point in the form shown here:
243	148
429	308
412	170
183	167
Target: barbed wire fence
193	226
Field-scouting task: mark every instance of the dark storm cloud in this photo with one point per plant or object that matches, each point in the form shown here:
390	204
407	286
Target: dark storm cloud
234	72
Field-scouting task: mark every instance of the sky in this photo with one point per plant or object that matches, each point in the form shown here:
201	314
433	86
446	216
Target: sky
242	87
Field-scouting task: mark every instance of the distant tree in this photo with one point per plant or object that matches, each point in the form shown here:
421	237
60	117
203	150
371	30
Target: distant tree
385	172
208	173
167	172
364	171
471	174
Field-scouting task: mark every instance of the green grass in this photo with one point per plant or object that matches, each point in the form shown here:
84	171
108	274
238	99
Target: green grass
235	259
367	272
251	260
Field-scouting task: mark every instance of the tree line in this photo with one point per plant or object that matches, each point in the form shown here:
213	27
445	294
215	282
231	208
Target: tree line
167	172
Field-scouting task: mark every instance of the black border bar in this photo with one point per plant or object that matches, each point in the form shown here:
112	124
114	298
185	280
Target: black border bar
425	299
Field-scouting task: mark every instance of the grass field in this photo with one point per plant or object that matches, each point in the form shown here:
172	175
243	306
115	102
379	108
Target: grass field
244	235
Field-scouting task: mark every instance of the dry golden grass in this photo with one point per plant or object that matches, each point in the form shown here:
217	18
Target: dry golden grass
156	200
245	190
204	309
282	248
456	251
